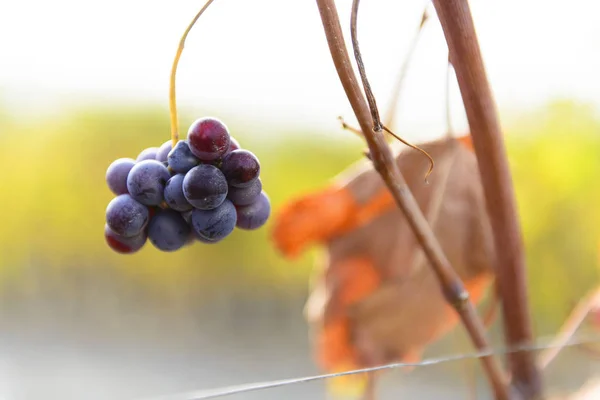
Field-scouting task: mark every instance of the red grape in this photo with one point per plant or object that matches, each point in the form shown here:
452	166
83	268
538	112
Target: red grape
241	168
208	138
122	244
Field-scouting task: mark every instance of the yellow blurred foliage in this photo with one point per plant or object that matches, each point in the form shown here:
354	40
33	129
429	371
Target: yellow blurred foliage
54	198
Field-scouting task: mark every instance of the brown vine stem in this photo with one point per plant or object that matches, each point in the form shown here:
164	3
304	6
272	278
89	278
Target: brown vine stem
459	30
385	165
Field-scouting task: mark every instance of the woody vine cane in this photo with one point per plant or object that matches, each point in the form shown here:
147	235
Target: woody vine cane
384	163
459	30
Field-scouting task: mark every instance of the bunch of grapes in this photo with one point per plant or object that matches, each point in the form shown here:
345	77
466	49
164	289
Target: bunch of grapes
197	191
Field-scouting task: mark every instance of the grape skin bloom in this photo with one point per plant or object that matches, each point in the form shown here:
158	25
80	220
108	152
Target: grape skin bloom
146	182
174	194
181	159
116	175
168	231
254	215
163	151
205	187
245	196
147	154
125	216
214	225
241	168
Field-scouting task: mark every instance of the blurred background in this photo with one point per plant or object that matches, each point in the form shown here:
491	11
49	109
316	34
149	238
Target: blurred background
82	84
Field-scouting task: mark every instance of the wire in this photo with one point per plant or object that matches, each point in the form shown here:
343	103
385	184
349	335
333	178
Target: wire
250	387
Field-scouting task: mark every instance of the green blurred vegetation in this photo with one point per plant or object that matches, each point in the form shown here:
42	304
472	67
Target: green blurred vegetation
54	197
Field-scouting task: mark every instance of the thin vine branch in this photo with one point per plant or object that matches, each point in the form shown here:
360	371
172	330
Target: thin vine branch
393	104
377	125
385	165
459	30
570	326
172	97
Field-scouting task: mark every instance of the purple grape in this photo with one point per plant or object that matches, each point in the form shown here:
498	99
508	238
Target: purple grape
163	151
147	154
116	175
168	231
122	244
146	182
125	216
240	168
205	187
245	196
181	159
233	145
255	215
174	194
214	225
208	138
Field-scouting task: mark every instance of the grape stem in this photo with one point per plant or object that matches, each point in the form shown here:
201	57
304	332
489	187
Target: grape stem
385	165
172	96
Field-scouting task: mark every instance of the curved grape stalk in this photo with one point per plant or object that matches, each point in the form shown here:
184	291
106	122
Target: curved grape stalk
172	97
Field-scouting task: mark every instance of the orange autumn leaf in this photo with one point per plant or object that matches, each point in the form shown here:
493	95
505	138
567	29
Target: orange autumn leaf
377	300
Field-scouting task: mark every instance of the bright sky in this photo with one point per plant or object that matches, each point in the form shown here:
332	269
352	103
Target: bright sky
269	57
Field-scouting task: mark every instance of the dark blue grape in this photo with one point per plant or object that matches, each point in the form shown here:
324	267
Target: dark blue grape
116	175
214	225
181	159
146	182
125	216
174	194
147	154
163	151
122	244
205	187
240	168
168	231
245	196
254	215
208	138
